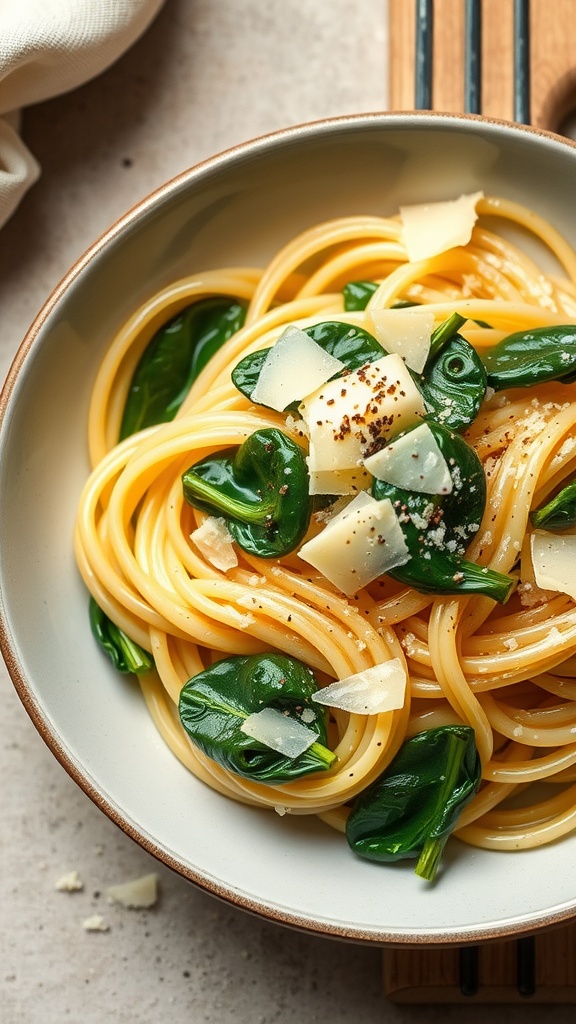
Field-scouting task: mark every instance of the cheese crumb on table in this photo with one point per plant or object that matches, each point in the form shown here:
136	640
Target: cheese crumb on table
96	923
70	882
137	894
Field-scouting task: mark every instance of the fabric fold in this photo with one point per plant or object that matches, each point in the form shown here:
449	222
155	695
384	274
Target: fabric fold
50	47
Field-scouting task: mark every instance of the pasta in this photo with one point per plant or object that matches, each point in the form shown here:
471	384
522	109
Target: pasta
503	669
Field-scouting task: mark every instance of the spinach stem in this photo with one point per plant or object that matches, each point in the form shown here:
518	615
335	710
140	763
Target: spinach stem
431	852
232	508
444	333
323	754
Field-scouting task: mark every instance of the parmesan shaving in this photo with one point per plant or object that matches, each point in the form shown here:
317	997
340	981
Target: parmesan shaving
214	542
431	228
413	461
554	562
370	692
347	415
294	366
406	332
362	542
278	731
336	481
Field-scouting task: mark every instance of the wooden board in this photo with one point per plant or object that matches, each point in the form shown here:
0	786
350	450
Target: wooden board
540	969
552	58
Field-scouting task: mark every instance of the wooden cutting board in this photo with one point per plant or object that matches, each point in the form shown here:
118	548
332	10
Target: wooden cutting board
552	62
540	968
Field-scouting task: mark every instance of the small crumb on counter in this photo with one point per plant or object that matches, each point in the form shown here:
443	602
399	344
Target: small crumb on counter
137	894
96	923
70	882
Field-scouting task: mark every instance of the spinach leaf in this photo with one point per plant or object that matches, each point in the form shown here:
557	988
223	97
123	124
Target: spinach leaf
353	346
261	489
125	654
438	528
214	704
173	359
559	513
411	810
532	357
357	295
453	382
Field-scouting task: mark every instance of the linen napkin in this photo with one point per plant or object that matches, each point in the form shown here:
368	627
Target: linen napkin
49	47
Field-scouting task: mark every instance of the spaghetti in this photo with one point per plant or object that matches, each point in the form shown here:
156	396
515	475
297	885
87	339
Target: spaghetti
504	670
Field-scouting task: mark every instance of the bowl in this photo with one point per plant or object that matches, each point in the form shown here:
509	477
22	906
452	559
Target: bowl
238	208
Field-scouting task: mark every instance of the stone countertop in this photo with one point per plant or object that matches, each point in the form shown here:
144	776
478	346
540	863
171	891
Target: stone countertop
207	74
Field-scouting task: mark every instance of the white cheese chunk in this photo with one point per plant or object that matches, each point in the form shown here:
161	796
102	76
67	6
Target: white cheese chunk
554	562
362	542
137	894
70	882
404	331
337	481
431	228
370	692
95	923
214	542
279	732
294	366
346	415
413	461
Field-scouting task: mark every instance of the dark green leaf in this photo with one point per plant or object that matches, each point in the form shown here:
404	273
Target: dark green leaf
174	358
439	528
532	357
351	345
413	807
125	654
261	489
357	294
215	703
559	513
453	384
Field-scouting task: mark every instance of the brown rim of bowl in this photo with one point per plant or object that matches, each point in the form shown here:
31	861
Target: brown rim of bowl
515	928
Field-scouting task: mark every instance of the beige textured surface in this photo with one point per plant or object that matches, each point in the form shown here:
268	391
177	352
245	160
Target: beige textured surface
209	73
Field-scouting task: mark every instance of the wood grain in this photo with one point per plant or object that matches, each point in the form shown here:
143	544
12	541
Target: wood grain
552	58
433	975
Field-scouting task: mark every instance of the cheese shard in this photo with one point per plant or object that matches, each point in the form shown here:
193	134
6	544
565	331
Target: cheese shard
95	923
431	228
404	331
370	692
413	461
214	542
345	416
358	545
70	882
279	732
554	562
294	366
343	481
137	894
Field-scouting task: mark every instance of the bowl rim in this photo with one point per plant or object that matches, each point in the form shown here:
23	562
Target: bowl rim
8	649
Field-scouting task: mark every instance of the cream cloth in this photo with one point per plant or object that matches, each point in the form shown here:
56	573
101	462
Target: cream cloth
49	47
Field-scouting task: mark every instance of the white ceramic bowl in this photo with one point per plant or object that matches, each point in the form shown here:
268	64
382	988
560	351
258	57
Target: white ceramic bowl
237	209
